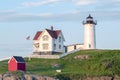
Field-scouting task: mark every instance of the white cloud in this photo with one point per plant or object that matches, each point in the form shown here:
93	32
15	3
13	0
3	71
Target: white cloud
7	12
117	0
84	2
44	2
11	16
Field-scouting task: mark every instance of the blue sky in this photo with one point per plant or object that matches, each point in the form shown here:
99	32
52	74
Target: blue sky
22	18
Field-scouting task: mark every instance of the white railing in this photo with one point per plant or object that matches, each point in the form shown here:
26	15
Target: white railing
52	56
45	56
65	54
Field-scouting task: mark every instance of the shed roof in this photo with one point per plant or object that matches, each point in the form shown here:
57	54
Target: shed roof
19	59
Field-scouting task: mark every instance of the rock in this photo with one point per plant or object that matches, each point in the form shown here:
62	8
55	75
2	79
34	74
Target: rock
105	78
99	78
117	78
0	76
49	78
40	78
30	77
11	77
81	57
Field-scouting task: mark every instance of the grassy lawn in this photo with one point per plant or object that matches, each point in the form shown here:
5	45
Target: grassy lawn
99	63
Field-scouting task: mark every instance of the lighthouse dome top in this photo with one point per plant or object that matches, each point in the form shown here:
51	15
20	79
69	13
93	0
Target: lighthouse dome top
89	20
89	17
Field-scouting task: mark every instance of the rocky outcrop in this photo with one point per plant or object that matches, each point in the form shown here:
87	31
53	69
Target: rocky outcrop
36	77
24	76
101	78
0	76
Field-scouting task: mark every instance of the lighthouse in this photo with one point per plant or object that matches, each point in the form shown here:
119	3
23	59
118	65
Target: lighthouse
89	33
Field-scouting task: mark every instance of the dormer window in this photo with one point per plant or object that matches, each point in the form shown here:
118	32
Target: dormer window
45	38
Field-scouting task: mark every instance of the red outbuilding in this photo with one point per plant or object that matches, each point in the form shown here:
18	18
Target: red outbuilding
16	63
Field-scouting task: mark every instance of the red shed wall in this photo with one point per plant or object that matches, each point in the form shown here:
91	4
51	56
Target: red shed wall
22	66
12	65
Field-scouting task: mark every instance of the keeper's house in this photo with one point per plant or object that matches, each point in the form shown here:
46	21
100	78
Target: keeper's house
48	41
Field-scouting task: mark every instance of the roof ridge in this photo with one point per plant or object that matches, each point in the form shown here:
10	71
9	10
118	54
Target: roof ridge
53	30
52	33
19	59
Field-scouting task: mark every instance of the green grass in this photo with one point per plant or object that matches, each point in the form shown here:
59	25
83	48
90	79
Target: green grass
3	66
99	63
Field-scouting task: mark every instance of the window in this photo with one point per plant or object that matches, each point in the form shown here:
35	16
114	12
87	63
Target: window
54	46
74	46
59	46
36	45
45	46
59	39
45	38
89	45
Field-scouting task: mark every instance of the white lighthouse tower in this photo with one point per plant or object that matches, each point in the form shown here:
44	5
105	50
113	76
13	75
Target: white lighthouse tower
89	33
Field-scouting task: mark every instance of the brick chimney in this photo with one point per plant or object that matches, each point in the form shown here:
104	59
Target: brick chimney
51	27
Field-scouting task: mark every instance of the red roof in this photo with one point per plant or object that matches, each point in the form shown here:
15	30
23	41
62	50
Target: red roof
37	35
53	33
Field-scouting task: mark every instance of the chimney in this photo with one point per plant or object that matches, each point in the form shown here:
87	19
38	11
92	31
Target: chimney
51	27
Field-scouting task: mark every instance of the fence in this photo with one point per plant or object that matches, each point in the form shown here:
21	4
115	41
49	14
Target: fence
53	56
